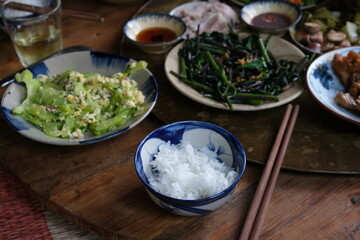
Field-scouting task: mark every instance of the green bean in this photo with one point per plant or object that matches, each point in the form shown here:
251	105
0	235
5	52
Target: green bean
255	96
263	50
218	70
182	67
195	84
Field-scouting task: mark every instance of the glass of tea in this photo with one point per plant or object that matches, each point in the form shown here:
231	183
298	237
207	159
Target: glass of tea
34	27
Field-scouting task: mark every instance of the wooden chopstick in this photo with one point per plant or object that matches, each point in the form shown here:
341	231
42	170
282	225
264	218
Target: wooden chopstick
64	12
83	15
256	215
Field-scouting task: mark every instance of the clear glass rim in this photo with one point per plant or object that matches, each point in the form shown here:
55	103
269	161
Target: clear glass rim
31	17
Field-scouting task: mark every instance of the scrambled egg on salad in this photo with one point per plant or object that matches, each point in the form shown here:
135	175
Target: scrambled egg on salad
68	104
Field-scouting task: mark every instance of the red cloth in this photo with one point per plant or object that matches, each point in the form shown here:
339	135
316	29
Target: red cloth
21	215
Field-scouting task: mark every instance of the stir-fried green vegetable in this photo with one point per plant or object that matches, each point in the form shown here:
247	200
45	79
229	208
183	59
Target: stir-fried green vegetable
68	104
232	70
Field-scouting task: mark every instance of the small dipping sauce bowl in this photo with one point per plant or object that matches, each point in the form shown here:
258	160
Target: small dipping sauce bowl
155	33
273	17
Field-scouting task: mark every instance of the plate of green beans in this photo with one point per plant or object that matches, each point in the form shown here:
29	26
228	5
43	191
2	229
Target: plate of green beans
237	71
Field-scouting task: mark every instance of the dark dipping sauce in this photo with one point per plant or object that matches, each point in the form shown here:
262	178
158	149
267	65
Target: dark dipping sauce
271	21
156	35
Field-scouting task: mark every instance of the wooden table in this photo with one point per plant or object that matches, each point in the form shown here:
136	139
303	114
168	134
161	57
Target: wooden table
96	187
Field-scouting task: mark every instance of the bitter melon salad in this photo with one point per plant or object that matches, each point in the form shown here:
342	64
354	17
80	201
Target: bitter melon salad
68	104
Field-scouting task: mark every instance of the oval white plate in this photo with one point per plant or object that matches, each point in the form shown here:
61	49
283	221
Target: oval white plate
84	62
324	84
280	48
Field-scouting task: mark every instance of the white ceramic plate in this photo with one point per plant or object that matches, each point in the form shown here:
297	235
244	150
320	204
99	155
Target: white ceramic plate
184	6
280	48
84	62
324	84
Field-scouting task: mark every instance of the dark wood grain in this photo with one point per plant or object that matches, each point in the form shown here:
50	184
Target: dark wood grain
96	187
318	138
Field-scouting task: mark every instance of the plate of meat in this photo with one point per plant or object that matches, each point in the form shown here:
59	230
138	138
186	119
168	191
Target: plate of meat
206	17
334	81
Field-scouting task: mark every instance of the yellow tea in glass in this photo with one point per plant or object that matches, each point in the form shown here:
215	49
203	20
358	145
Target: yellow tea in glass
34	27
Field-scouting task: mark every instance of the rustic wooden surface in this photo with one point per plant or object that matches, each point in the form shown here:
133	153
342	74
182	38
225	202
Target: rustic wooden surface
96	187
321	142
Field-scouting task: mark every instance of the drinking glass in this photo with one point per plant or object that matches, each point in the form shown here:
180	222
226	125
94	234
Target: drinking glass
34	27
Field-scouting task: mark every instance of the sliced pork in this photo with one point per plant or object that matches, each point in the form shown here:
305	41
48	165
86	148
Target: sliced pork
209	17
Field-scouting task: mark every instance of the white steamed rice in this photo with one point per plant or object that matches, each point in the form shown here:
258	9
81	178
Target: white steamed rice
188	173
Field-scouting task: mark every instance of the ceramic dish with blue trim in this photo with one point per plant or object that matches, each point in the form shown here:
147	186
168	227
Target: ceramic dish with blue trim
151	21
199	134
324	85
84	62
268	14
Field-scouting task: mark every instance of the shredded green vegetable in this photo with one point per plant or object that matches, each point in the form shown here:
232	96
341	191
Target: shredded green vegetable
232	70
68	104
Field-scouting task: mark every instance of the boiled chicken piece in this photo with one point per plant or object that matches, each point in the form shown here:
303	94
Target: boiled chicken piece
212	22
208	17
194	13
226	11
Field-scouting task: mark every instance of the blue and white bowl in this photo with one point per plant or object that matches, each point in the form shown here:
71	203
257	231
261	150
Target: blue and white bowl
133	27
199	134
253	9
324	85
84	62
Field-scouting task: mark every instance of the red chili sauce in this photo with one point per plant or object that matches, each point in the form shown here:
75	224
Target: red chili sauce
271	21
155	35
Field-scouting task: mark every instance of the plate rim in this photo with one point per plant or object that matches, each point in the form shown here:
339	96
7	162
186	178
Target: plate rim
196	96
184	5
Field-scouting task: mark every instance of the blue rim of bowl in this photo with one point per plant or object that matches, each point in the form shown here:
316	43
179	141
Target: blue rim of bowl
298	10
160	15
202	201
33	16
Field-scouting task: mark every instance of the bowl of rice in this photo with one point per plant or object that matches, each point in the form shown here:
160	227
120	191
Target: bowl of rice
190	168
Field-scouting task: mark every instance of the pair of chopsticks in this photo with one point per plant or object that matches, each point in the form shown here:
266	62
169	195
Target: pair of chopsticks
257	212
64	12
